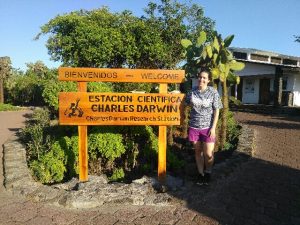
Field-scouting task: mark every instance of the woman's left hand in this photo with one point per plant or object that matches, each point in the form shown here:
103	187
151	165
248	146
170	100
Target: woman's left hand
212	132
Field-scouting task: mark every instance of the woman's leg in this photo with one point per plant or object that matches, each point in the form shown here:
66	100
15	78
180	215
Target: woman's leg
199	156
208	150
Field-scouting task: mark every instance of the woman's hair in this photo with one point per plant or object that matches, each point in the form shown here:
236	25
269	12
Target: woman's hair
206	70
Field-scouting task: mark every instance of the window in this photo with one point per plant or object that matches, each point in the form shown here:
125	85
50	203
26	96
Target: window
240	55
259	57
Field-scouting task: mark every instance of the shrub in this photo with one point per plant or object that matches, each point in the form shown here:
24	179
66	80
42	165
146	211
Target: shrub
51	90
8	107
105	145
117	175
49	167
34	134
233	131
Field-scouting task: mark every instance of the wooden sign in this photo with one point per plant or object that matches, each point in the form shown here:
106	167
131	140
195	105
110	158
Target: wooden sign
82	108
121	75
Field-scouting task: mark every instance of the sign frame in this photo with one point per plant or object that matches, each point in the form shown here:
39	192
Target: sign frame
163	77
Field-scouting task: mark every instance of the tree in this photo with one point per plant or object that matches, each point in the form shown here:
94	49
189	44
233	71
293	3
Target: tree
215	56
99	38
5	71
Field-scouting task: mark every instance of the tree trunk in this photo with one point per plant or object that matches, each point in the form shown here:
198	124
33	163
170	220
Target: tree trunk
1	91
224	113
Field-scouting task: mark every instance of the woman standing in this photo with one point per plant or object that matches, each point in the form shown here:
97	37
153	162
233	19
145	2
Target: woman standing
205	104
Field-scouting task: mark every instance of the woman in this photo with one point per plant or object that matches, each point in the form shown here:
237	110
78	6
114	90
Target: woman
205	104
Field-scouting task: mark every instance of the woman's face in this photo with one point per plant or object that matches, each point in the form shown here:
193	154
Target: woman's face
203	79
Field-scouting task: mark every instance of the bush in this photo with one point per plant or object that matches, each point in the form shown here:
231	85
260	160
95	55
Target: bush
50	166
233	132
105	145
24	89
112	148
117	175
8	107
34	134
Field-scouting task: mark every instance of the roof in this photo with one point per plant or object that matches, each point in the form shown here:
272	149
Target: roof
265	57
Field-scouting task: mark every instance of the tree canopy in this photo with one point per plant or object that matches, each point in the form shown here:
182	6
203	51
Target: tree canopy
100	38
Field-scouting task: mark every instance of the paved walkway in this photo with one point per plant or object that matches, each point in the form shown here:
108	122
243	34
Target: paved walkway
263	190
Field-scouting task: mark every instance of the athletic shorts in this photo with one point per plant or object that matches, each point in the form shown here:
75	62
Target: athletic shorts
200	135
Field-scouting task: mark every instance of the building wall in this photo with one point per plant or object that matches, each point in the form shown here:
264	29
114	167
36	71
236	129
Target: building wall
296	91
252	69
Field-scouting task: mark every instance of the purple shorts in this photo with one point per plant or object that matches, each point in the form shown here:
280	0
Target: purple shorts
200	135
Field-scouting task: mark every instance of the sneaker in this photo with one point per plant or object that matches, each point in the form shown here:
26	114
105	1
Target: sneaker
200	180
206	178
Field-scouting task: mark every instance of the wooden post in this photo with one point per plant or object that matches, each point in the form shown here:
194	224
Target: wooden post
162	144
82	143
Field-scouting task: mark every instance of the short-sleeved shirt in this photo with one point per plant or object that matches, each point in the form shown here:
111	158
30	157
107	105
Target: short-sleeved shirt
203	105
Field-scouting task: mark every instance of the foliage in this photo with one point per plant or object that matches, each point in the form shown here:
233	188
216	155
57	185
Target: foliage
8	107
112	146
129	87
33	134
51	90
49	167
215	56
50	160
117	175
99	87
5	72
105	145
53	86
173	162
99	38
26	88
70	147
233	132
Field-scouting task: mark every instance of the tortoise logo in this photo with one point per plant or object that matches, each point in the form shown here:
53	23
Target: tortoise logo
74	110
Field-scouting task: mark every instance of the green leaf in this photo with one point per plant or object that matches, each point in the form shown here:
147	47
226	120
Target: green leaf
216	45
201	39
228	40
234	65
204	54
186	43
209	51
215	58
238	79
215	72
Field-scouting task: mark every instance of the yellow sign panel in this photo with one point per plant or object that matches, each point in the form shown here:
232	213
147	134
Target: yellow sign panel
121	75
81	108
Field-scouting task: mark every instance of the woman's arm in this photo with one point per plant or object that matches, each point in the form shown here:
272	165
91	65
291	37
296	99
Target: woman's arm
212	132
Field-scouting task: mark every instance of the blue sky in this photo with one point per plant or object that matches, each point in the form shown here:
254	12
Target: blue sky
262	24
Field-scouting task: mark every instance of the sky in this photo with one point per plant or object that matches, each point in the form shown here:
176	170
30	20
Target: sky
268	25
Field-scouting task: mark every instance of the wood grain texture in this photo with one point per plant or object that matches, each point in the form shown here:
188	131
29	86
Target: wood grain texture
121	75
81	108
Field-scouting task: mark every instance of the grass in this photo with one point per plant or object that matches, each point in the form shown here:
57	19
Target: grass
8	107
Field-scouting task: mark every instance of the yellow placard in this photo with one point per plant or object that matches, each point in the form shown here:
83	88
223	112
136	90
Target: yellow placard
81	108
121	75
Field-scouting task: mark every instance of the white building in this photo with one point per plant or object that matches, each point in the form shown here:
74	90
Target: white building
264	72
262	76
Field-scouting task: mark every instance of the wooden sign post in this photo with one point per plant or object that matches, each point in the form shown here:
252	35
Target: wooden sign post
82	108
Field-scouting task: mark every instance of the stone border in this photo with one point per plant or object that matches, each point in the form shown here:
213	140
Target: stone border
97	191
